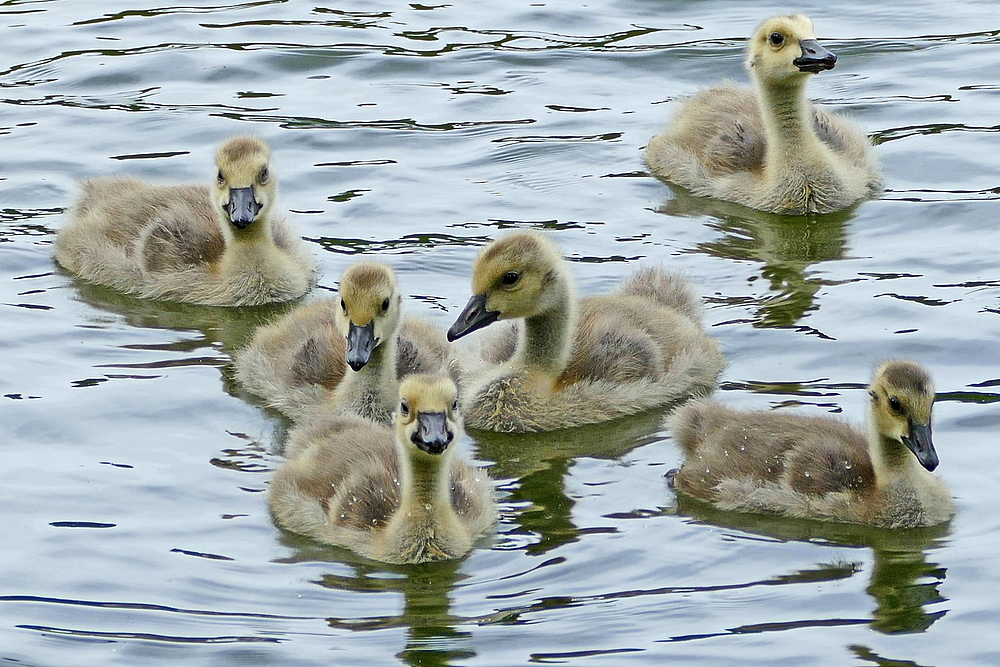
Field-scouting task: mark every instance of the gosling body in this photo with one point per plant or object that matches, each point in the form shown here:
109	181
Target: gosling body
221	245
345	354
571	362
397	495
821	468
769	148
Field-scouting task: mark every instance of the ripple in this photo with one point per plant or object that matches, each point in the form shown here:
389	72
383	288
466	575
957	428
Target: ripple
306	122
147	636
143	606
896	133
404	244
162	11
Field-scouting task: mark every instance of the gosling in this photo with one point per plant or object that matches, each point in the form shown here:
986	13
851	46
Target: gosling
393	495
769	149
222	245
821	468
576	362
345	354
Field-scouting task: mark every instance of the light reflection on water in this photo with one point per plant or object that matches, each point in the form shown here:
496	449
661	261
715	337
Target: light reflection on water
412	134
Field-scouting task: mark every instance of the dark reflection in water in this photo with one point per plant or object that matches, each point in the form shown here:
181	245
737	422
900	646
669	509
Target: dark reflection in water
228	328
786	245
540	461
902	581
433	635
866	654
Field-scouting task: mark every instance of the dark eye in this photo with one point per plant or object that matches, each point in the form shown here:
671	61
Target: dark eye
454	405
343	305
776	38
895	405
264	175
385	304
222	179
404	409
510	278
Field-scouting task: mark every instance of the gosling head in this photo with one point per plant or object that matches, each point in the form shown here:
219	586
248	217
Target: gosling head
784	49
427	415
244	189
902	395
369	310
513	277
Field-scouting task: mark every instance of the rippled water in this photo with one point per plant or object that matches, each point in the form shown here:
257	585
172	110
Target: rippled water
134	469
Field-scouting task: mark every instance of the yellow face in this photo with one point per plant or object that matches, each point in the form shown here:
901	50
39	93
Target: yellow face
368	310
902	395
244	188
784	48
427	415
513	274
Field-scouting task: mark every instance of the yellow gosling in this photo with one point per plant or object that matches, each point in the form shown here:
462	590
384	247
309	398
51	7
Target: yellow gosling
396	495
222	245
769	148
346	353
570	361
821	468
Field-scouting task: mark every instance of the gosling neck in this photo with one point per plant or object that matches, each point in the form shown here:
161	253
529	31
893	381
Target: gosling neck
547	338
249	249
371	391
892	462
787	116
425	486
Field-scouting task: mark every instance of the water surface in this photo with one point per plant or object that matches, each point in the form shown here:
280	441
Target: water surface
135	470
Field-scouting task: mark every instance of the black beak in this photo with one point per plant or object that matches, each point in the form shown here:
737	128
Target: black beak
432	434
920	444
475	316
360	344
814	57
242	207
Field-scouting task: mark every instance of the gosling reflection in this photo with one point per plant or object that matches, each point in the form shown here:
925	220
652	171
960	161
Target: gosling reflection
539	462
786	245
228	328
432	635
903	582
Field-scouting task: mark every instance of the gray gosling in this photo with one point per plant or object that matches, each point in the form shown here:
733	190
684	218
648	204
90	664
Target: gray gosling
394	495
221	245
821	468
769	149
570	361
346	353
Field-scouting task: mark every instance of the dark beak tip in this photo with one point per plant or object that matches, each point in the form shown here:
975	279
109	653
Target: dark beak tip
242	207
435	447
473	317
361	343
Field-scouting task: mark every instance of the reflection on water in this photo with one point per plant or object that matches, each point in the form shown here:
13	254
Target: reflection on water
786	245
902	580
541	460
433	638
230	328
413	133
866	654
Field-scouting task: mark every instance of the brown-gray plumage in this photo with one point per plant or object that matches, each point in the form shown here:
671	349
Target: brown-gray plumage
769	149
821	468
300	364
221	245
396	495
576	362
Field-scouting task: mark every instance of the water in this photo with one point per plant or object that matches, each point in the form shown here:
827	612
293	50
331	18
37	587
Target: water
134	469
